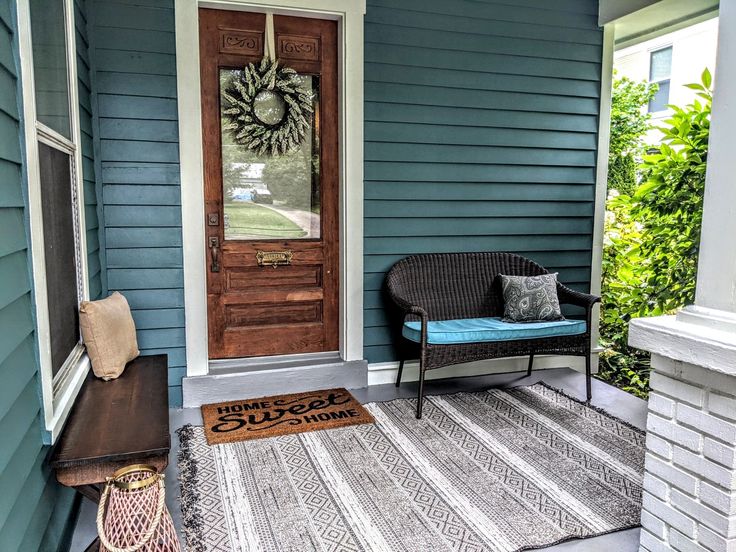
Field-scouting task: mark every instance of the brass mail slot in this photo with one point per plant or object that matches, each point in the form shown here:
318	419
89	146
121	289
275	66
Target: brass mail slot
274	258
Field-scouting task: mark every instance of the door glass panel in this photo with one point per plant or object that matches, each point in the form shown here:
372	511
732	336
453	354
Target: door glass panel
267	197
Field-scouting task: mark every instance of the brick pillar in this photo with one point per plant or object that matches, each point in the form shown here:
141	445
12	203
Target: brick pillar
690	470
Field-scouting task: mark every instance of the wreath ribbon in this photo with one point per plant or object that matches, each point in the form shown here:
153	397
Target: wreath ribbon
270	37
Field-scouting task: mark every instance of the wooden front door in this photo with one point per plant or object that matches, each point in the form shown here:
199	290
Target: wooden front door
259	204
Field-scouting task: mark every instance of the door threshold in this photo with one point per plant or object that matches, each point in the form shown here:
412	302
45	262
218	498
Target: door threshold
245	378
257	364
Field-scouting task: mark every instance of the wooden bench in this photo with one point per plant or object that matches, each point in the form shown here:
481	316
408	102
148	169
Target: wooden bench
428	291
114	424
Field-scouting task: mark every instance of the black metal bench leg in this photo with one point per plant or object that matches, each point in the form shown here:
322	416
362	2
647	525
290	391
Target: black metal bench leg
531	362
420	399
401	369
588	391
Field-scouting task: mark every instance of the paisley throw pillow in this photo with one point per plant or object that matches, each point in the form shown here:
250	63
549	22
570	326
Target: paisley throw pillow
530	298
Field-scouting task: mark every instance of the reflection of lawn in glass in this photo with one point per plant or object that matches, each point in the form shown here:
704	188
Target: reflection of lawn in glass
255	220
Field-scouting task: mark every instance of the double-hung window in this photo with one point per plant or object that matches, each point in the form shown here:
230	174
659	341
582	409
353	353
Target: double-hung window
660	72
55	199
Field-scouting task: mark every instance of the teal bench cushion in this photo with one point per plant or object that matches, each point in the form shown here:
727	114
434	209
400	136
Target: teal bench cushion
474	330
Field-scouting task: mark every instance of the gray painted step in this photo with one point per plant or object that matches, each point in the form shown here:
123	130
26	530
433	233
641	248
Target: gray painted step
250	378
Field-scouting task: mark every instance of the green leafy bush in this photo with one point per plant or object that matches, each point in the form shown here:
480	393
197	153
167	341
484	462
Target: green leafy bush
669	204
652	239
629	122
622	294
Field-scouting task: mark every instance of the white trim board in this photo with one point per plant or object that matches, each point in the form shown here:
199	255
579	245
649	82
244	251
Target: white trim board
381	373
601	178
349	14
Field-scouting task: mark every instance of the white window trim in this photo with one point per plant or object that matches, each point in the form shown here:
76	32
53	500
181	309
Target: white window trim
349	14
57	393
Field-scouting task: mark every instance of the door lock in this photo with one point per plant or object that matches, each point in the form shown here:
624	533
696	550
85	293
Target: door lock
213	219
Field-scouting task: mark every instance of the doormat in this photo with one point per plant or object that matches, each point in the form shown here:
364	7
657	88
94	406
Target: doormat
233	421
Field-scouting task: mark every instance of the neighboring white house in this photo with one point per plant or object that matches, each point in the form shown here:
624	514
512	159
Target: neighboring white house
672	61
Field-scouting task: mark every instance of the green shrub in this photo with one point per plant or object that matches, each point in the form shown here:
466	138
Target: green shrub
622	173
629	123
652	239
622	293
669	204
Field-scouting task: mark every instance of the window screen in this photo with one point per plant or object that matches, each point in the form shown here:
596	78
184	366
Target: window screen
58	213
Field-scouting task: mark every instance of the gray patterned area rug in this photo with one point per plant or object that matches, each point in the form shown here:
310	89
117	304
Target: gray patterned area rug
501	470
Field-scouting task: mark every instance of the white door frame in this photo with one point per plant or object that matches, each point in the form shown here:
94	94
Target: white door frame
349	15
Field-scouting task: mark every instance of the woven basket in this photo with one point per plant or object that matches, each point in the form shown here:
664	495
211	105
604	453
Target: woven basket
132	516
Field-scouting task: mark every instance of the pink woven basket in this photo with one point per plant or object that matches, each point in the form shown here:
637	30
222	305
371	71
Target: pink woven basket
132	516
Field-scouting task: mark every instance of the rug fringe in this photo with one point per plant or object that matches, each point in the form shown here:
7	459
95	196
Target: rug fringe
598	409
573	537
193	524
412	400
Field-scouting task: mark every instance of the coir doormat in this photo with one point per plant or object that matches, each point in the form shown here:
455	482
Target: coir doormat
229	422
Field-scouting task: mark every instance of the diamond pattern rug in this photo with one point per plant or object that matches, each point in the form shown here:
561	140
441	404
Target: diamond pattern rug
495	471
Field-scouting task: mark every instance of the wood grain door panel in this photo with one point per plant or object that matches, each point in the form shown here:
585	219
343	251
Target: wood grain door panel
255	310
278	340
259	314
247	279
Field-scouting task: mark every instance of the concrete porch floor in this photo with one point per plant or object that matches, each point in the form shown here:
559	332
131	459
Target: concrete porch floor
613	400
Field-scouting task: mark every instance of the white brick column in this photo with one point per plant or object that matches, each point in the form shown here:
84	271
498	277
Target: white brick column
690	470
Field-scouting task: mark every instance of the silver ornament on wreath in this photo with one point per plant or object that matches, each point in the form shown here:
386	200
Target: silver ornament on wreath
269	110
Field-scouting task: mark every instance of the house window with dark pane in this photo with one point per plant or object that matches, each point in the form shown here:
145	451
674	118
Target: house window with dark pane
660	71
61	247
55	197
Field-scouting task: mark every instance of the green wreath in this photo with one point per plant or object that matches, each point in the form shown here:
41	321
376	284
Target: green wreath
268	129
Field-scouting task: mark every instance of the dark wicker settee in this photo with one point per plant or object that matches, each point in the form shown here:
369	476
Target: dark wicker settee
451	286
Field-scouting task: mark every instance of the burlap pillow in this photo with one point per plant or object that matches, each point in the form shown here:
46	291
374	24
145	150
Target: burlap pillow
109	334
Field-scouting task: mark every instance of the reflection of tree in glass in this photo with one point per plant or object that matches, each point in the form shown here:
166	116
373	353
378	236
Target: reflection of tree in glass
289	178
292	179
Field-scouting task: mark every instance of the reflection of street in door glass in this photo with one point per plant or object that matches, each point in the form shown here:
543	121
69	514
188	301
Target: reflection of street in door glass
267	197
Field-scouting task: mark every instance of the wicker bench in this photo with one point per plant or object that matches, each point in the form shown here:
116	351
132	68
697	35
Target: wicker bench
428	289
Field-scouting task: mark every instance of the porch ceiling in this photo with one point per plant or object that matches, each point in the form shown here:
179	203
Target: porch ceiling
640	20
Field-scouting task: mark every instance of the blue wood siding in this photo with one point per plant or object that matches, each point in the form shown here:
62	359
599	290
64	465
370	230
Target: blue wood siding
35	512
481	121
138	169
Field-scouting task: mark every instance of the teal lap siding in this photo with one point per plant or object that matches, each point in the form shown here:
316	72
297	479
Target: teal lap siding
481	122
138	170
